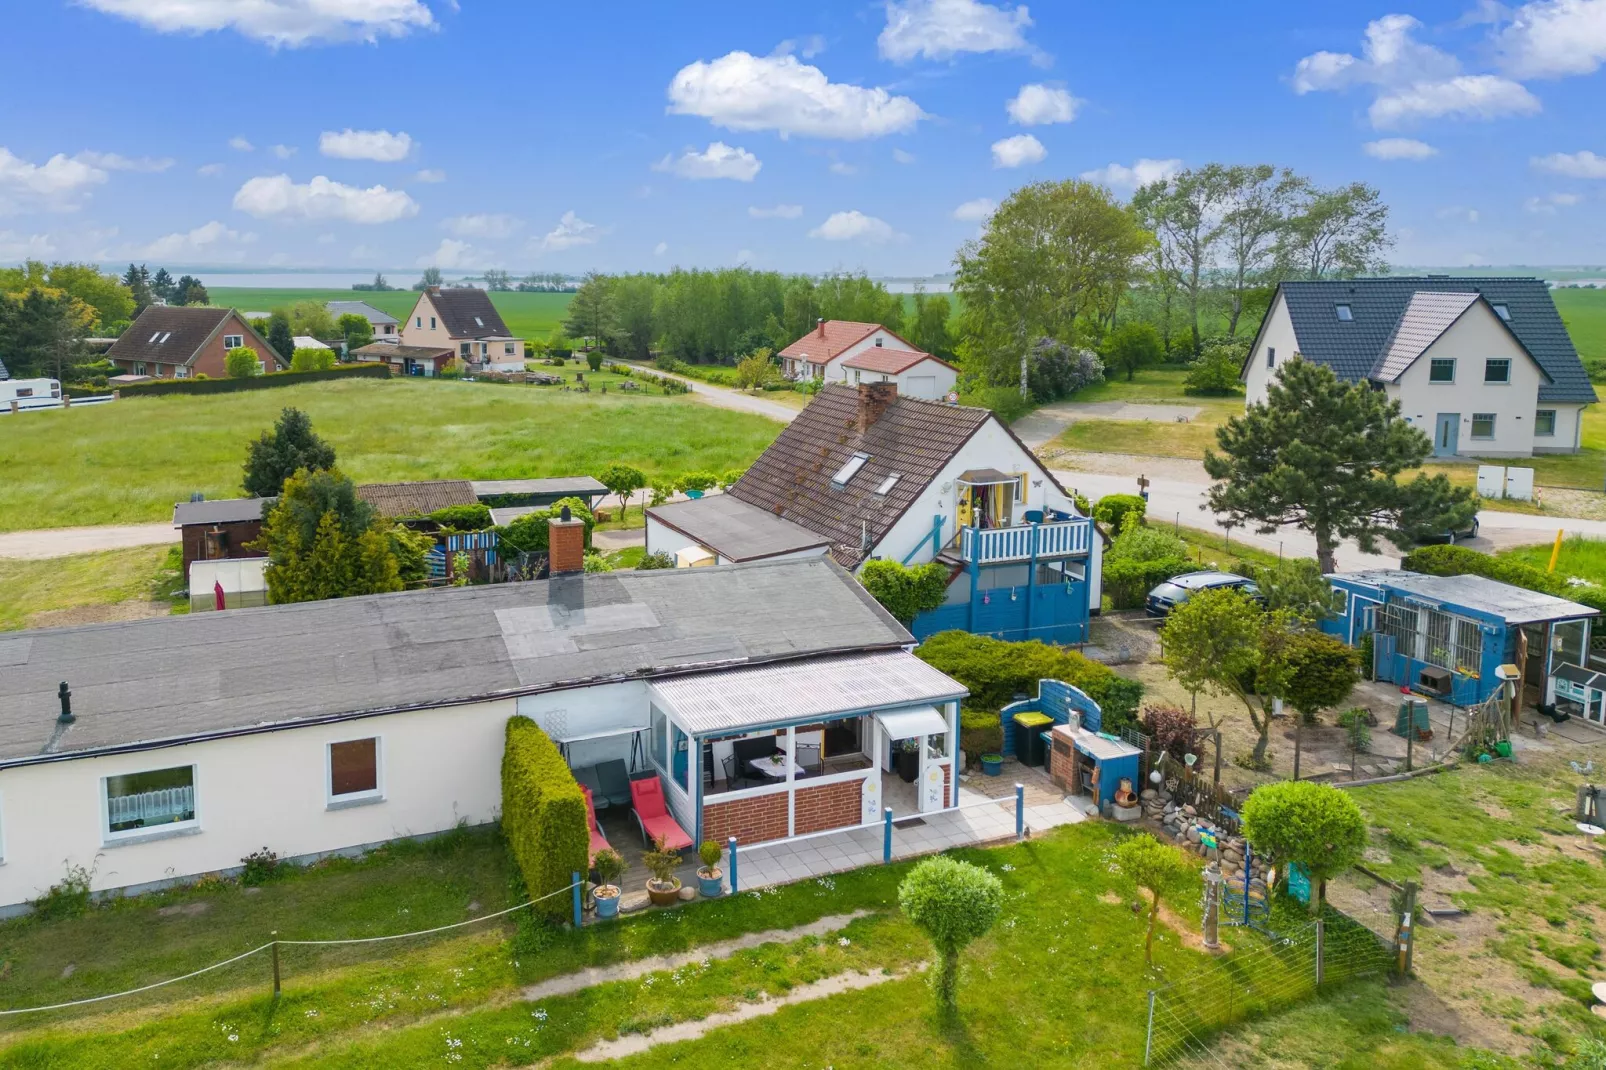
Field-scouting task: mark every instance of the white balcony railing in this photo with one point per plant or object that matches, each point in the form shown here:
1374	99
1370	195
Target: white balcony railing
1065	538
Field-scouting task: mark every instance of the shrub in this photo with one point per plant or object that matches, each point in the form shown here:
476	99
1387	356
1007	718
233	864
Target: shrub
953	903
709	854
1323	670
1316	825
476	517
1367	655
452	369
1215	372
594	360
698	481
662	862
595	562
980	732
241	362
1055	370
260	867
66	899
312	360
1138	559
657	559
530	531
1112	509
609	866
543	815
995	671
905	592
1171	729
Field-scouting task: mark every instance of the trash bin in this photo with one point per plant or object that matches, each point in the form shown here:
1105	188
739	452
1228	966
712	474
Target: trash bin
1029	728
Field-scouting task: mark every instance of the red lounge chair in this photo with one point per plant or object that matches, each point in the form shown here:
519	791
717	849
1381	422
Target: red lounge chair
599	842
647	796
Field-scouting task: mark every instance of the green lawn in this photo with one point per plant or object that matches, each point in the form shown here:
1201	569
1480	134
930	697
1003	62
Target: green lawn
1584	313
130	461
81	580
1580	556
528	315
1158	438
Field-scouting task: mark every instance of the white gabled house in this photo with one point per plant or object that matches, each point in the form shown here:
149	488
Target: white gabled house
821	353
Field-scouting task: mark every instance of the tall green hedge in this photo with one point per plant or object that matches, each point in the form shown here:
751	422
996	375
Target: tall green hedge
996	670
159	387
1460	561
543	815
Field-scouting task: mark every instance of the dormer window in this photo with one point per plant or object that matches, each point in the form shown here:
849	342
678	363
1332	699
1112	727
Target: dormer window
849	470
1503	312
1344	313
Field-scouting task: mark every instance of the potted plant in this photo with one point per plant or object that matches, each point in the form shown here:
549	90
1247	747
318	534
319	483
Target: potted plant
663	887
908	759
695	483
610	867
992	764
708	878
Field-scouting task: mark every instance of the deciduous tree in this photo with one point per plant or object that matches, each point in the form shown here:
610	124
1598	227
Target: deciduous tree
356	330
281	452
1132	346
928	325
431	277
622	481
1316	825
1157	868
1258	204
1337	233
953	903
1186	212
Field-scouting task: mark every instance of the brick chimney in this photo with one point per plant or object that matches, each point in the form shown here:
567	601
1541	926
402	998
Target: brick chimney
434	291
874	399
566	543
819	325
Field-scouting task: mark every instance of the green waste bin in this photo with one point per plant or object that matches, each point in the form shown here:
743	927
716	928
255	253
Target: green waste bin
1029	728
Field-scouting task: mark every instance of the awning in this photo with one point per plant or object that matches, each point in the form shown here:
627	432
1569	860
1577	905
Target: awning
905	724
986	477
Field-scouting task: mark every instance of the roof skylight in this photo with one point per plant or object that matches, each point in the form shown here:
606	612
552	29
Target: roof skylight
1503	312
1344	313
849	470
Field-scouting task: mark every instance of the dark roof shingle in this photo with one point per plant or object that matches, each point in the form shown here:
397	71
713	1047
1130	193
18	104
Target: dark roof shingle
467	312
419	498
170	334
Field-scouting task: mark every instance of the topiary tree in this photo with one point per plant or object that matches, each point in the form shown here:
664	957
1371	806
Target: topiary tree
622	481
953	903
594	360
241	362
1316	825
1156	868
905	592
278	454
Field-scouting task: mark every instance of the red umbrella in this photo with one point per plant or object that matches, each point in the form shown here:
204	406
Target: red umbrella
217	593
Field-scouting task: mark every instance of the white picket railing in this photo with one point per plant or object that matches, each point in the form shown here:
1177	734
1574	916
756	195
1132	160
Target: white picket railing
1065	538
152	807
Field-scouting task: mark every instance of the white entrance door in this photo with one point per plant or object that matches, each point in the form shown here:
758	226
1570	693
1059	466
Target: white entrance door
929	784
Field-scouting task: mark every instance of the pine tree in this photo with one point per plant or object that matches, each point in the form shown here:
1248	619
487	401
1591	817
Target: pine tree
282	452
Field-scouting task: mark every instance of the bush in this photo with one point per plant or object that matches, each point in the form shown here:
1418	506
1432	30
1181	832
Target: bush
658	559
543	815
1054	370
594	360
1215	372
1140	558
1171	729
241	363
953	903
905	592
980	732
260	867
530	532
475	517
698	481
995	671
1460	561
312	360
202	385
1113	509
1316	825
68	899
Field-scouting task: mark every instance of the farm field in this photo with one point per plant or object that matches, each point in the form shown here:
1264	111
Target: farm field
130	461
528	315
1584	312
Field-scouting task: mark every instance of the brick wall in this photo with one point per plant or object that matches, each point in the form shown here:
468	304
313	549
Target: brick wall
829	806
566	545
752	820
947	785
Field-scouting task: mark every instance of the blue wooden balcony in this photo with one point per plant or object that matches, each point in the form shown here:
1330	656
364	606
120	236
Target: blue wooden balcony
1064	538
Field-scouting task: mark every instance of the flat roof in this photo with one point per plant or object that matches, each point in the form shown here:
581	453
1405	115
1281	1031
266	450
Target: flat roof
736	530
219	511
576	485
168	680
1515	605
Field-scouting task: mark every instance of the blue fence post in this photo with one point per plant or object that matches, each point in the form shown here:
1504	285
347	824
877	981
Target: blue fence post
886	836
1020	811
576	890
731	846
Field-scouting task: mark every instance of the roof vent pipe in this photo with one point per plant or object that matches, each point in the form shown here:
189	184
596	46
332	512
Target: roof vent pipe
65	694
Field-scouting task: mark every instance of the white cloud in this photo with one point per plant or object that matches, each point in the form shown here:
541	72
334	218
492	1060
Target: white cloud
380	145
57	183
111	161
1547	205
976	211
280	23
14	246
276	196
209	170
430	175
1572	164
719	160
900	156
283	152
484	225
780	211
807	47
1141	173
1038	105
570	232
740	91
1412	80
451	253
1456	211
744	256
1399	148
1554	38
240	144
841	167
212	240
941	29
1018	151
854	226
660	249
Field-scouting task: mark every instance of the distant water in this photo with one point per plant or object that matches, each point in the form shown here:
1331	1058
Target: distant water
303	280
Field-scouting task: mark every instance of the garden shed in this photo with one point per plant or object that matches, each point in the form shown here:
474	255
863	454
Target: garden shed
1446	636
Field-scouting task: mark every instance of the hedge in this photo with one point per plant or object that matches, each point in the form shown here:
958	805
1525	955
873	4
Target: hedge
1128	581
160	387
996	670
543	816
1460	561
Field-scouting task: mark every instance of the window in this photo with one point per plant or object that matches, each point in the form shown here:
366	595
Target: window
1497	371
465	349
887	484
432	323
233	341
1441	370
25	391
658	739
139	368
485	349
849	470
507	349
1503	312
878	341
155	338
181	372
680	773
157	800
1344	313
354	770
1483	425
855	375
1271	357
1545	422
262	367
419	322
479	322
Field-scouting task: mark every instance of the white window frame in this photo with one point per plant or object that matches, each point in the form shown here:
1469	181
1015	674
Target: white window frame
108	837
181	372
1441	382
1545	434
233	341
1478	416
331	801
507	349
139	367
262	367
1489	363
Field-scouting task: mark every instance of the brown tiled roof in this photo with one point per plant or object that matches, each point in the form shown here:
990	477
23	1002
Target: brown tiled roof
839	335
467	312
386	351
417	499
173	334
792	479
889	361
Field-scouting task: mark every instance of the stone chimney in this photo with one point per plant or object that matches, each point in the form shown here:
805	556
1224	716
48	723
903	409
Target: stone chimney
566	543
819	325
874	399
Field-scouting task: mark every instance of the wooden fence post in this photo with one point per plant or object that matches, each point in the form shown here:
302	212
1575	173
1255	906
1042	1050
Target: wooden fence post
276	964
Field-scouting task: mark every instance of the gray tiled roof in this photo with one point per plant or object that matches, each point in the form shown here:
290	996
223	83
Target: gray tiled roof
1353	348
1427	316
168	679
220	511
360	308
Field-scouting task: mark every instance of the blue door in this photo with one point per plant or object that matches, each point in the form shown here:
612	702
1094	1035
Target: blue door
1447	436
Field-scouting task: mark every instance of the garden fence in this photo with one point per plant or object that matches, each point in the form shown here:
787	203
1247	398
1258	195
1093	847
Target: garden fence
1185	1015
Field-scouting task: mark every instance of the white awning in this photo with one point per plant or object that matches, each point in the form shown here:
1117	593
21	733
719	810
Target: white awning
906	724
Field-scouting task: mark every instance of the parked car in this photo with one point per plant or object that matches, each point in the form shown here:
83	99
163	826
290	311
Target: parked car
1178	589
1446	535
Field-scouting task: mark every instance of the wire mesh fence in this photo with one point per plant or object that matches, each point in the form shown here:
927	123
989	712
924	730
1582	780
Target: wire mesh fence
1186	1015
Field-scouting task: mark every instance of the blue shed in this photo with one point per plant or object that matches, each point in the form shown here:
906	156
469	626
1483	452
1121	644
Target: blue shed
1446	636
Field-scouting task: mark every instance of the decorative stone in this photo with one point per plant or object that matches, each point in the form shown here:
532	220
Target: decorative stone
687	894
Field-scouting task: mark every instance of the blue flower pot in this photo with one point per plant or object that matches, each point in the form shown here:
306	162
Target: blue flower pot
992	766
694	494
607	908
709	887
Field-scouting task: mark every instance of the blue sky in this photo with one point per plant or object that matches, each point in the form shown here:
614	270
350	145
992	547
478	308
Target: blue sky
873	135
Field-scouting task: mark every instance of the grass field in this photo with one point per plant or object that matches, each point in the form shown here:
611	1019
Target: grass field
528	315
79	581
1584	312
1580	556
130	461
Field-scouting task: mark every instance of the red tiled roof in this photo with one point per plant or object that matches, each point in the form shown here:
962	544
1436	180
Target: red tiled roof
890	361
839	335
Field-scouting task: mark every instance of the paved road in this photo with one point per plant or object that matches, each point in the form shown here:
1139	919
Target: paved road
59	542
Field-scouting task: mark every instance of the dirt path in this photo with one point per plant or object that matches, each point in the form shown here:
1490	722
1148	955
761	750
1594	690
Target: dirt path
724	949
729	399
60	542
